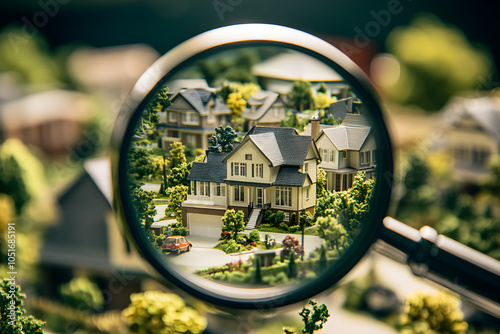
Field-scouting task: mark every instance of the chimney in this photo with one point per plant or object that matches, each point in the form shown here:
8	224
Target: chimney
314	127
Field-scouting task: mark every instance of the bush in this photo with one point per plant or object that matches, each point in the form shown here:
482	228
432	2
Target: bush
160	239
155	312
281	278
280	216
254	235
225	235
283	226
293	219
82	294
295	229
228	246
291	244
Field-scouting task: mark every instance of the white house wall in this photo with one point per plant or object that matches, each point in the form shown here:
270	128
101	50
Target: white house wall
257	158
325	144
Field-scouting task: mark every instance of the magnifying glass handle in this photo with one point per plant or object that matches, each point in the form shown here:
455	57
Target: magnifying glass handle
473	275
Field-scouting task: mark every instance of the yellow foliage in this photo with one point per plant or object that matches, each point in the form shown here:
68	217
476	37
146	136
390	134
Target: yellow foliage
236	103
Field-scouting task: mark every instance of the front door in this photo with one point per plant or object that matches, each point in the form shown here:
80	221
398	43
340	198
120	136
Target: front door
260	196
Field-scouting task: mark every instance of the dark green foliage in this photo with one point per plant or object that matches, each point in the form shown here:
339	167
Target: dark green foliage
225	90
82	294
254	235
222	140
258	272
301	95
293	218
322	262
141	162
280	216
314	320
144	206
291	271
12	182
233	222
157	104
293	121
13	318
322	88
229	67
179	175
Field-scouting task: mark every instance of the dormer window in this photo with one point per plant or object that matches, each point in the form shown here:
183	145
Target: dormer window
239	169
248	157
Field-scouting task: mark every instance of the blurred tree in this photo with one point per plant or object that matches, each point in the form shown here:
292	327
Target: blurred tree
332	232
492	185
322	101
13	318
143	203
176	195
301	95
436	62
222	140
428	314
141	162
21	174
290	244
292	271
314	320
236	104
82	294
321	88
233	222
293	121
155	312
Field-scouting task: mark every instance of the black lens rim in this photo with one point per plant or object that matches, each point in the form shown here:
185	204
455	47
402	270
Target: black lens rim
215	41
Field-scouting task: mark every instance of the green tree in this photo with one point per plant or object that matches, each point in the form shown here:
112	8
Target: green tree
233	222
176	196
258	271
222	140
21	174
321	88
13	318
179	175
155	312
292	271
236	104
144	206
492	185
320	182
82	294
315	319
141	163
332	232
428	314
301	95
432	57
177	155
293	121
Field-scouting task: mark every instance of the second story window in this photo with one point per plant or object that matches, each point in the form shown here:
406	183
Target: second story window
374	156
259	170
204	188
190	118
240	169
364	158
344	154
172	116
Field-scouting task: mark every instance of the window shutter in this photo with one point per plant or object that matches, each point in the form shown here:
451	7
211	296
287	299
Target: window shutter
252	170
232	168
194	188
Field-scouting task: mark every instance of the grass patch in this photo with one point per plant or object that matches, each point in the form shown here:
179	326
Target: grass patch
312	230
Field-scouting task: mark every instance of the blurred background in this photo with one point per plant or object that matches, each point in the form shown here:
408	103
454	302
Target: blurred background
66	66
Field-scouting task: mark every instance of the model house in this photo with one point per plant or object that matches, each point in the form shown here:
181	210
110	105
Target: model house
472	136
271	168
192	116
264	108
346	150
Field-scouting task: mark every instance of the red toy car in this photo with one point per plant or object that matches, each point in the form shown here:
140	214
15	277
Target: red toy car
176	244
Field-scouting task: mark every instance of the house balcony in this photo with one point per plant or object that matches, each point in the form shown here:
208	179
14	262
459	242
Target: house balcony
205	200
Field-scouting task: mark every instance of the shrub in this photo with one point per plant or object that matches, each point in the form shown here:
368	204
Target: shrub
81	293
290	244
294	229
283	226
238	277
281	278
254	235
280	216
293	219
228	246
156	312
225	235
180	231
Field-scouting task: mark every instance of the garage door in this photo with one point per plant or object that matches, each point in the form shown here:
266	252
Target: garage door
204	225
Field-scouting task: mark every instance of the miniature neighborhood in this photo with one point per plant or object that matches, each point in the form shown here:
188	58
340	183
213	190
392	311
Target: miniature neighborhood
269	174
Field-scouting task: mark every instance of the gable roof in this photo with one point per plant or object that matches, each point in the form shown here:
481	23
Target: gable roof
485	112
213	170
286	142
290	176
199	99
347	137
263	100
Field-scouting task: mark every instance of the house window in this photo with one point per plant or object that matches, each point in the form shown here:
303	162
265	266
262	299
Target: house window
306	167
190	118
283	196
344	154
364	158
211	118
248	157
324	155
287	216
307	193
331	156
190	138
259	170
240	169
172	116
239	193
220	190
374	157
204	188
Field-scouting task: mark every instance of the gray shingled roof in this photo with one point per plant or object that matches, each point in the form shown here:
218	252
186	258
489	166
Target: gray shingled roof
268	145
263	100
290	176
199	98
355	120
213	170
292	146
347	137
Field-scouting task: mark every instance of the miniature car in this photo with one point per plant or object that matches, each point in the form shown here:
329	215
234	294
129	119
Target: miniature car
176	244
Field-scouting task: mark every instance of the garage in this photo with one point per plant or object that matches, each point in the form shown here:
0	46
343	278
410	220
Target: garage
204	225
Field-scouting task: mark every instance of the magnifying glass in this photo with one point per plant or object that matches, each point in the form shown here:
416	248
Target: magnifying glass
268	215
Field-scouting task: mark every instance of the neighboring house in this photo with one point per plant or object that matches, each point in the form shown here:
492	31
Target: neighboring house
192	117
271	168
87	239
472	136
52	121
346	150
278	73
264	108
